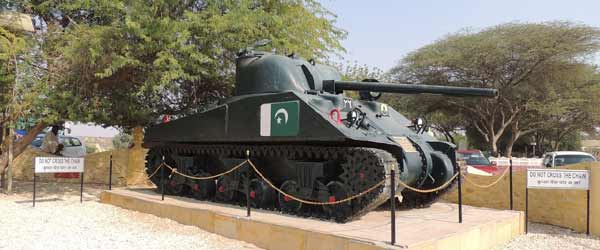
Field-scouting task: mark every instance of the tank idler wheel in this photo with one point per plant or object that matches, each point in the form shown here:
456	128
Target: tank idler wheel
338	191
203	189
224	191
261	194
287	204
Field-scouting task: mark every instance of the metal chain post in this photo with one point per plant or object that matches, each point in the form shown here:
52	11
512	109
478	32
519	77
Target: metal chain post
248	185
511	183
393	205
162	179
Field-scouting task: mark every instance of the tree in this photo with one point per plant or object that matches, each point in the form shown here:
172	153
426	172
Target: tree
524	62
142	60
125	63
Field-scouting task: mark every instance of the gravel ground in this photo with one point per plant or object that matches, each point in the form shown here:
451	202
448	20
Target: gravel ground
547	237
59	221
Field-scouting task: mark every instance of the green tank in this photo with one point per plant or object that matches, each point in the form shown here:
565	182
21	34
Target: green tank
308	138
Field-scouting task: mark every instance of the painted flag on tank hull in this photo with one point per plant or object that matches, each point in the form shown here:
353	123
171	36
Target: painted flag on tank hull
280	119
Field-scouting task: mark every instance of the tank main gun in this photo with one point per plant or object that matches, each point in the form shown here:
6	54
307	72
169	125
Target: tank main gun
336	87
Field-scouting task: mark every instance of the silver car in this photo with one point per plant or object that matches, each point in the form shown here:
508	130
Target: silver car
73	147
561	158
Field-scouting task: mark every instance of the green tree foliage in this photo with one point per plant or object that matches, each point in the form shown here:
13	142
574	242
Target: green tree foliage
540	69
128	62
125	63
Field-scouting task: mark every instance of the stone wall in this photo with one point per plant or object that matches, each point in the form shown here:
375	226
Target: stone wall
96	167
128	166
566	208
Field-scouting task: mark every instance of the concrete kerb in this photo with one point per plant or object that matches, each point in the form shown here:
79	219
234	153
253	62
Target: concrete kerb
270	235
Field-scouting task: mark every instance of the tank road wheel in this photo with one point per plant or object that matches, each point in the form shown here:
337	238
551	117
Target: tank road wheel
203	189
225	190
261	194
175	185
338	191
287	204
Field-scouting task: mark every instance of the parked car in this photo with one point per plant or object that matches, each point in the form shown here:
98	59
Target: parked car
561	158
73	147
476	159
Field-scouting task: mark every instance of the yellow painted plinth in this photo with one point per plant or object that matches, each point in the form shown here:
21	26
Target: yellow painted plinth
430	228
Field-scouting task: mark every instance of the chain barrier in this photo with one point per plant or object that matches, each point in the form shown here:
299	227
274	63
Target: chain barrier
174	171
156	170
428	190
488	185
314	202
261	175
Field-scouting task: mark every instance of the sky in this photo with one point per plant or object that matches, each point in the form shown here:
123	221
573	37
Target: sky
381	32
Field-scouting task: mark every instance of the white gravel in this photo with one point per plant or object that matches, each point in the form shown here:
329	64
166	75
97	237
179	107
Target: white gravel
547	237
59	221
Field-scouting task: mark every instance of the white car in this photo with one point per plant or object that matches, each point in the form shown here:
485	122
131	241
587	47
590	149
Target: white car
561	158
73	147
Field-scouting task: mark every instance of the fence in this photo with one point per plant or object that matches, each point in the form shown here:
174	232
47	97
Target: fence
505	161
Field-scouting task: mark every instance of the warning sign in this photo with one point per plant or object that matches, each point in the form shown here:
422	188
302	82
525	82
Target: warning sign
58	165
558	179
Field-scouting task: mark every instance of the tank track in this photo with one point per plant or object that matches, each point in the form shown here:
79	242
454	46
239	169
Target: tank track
358	168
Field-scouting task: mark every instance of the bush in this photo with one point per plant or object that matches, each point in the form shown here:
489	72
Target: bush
122	140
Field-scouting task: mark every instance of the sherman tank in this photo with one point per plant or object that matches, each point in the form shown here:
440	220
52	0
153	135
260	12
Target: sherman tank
292	119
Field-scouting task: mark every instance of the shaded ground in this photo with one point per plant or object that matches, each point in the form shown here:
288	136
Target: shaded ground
59	221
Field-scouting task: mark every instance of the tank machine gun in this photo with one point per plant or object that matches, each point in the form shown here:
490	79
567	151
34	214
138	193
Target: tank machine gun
307	138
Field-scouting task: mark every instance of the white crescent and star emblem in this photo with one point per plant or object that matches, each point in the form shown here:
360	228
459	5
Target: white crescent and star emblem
285	115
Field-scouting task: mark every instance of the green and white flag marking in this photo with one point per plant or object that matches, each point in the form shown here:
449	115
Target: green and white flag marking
279	119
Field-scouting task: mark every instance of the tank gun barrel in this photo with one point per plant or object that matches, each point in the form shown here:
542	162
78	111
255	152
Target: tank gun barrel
338	86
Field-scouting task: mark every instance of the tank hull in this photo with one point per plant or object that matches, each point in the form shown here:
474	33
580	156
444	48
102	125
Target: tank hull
302	142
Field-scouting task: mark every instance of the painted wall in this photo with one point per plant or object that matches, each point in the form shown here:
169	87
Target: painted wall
566	208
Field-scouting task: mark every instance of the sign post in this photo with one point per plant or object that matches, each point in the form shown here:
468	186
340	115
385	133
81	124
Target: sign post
110	172
558	179
58	165
460	215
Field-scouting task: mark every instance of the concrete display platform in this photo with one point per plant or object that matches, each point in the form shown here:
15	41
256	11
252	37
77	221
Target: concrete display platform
430	228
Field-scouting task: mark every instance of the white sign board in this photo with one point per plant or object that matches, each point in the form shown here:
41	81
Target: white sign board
558	179
58	165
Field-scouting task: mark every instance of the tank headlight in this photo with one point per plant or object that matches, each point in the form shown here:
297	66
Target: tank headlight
351	117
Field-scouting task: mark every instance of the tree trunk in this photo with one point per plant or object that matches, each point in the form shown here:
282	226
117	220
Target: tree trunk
20	146
494	146
509	147
11	137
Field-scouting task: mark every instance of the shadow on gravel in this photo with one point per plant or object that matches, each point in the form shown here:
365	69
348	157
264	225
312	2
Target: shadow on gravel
53	190
39	200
